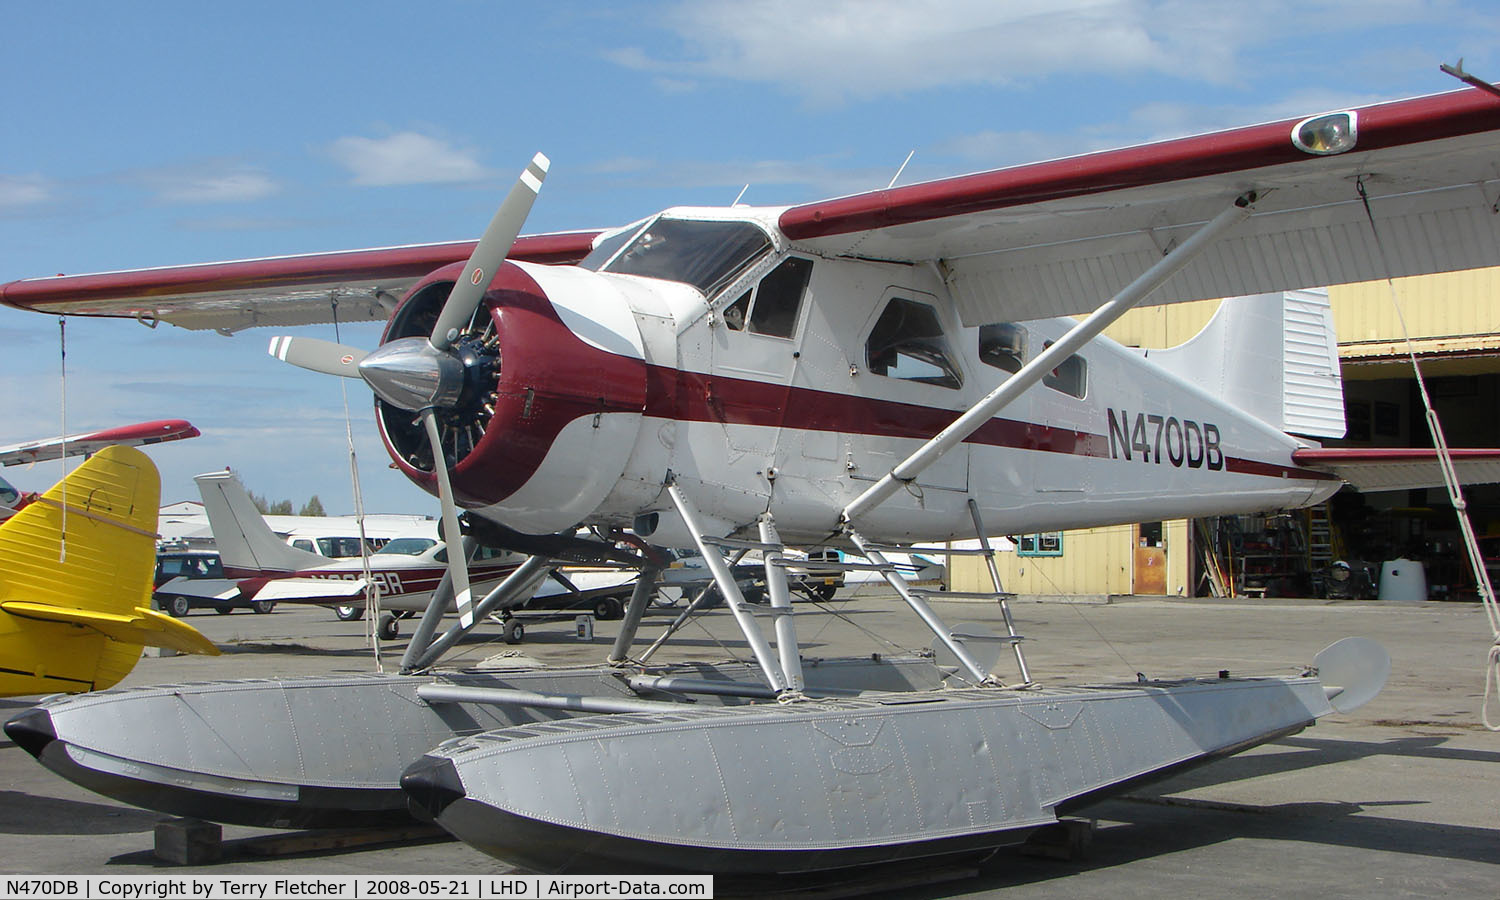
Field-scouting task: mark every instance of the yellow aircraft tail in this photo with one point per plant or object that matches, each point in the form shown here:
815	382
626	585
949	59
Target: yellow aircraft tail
75	608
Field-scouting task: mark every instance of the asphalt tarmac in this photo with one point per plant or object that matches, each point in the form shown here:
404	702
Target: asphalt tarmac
1398	798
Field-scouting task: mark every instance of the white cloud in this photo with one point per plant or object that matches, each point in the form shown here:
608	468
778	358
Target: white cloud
24	190
405	158
209	182
859	49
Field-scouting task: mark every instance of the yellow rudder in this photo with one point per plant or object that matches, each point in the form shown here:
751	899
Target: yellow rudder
75	580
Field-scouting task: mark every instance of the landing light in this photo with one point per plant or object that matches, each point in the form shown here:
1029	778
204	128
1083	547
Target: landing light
1327	134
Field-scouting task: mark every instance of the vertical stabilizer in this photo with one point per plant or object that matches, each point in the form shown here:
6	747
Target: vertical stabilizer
1275	356
75	580
244	540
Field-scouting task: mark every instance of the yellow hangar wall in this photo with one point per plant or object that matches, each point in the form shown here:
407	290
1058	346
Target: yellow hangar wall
1453	320
1093	561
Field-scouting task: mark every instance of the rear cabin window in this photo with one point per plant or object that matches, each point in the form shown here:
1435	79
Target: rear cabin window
1071	376
1003	346
908	343
772	306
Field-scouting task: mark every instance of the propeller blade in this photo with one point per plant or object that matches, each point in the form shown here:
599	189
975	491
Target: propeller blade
458	566
319	356
503	230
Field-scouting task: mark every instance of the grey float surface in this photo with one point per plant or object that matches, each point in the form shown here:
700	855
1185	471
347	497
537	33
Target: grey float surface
1402	792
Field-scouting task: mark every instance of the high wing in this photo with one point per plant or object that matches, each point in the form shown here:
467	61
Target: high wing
94	441
1046	239
1056	238
312	590
281	291
1399	468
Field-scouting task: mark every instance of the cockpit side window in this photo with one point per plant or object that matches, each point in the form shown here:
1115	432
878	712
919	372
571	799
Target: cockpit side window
706	255
907	342
778	299
734	313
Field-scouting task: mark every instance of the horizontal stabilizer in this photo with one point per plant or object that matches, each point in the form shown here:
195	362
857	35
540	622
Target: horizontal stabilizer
205	588
75	580
1399	468
139	626
311	590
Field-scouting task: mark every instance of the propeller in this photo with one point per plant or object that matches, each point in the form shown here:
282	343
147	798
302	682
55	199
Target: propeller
424	375
490	252
319	356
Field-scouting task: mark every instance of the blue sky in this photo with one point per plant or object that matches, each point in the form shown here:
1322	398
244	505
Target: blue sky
142	134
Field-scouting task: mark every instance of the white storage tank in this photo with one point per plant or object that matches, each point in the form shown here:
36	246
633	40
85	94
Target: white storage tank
1403	580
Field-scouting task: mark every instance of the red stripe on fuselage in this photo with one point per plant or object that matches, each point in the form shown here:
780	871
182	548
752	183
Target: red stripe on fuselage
698	397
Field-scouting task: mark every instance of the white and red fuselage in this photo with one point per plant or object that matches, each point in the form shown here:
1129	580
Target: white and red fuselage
609	383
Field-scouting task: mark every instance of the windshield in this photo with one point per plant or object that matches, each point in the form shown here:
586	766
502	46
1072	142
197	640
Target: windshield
609	245
706	255
8	494
407	546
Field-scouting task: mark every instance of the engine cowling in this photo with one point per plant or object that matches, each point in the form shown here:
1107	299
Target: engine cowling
551	398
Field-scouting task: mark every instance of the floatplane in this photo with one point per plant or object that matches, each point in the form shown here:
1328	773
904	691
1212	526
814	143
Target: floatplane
864	373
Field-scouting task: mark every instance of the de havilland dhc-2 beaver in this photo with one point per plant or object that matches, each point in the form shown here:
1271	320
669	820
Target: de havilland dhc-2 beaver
861	373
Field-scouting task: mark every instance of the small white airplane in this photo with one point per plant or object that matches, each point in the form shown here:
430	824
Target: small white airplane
861	373
331	536
86	444
260	567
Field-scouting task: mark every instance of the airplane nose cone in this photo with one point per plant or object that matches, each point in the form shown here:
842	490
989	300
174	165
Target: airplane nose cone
411	374
32	731
431	784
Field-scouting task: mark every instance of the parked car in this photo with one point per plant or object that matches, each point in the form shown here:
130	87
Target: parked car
186	580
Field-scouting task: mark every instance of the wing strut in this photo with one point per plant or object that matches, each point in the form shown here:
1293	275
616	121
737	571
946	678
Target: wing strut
1085	331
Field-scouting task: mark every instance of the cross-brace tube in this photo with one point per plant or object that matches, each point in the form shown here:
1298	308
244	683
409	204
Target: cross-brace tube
731	591
442	595
517	586
645	586
977	673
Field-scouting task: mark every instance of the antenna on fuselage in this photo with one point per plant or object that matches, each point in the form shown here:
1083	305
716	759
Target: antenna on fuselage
741	195
902	169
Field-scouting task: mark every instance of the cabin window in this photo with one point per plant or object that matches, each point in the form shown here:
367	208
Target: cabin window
1003	346
706	255
777	300
1071	376
338	547
304	544
908	343
735	313
1045	543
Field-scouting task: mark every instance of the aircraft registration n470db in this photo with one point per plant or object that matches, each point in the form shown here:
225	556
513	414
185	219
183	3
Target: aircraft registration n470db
866	372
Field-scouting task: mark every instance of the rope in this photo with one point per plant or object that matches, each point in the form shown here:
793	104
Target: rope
372	590
62	343
1450	481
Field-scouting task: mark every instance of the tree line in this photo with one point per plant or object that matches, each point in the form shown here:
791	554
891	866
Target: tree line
313	506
